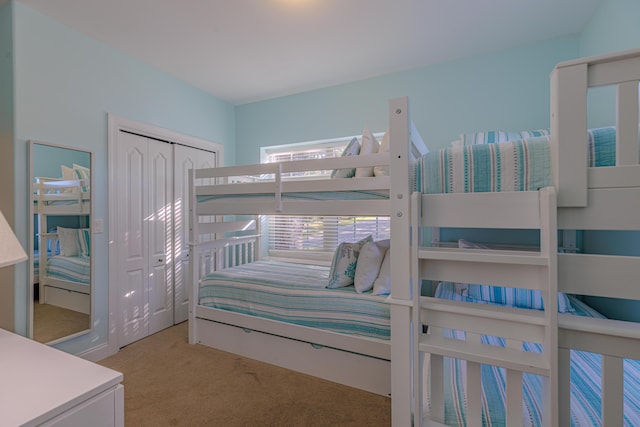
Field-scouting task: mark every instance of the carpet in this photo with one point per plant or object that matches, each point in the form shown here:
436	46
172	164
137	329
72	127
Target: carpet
169	382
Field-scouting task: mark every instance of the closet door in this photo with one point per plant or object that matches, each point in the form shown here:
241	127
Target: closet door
185	158
144	186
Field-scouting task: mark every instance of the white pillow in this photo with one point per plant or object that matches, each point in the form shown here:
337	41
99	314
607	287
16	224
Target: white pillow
68	238
369	145
68	173
369	263
343	266
384	148
382	285
352	149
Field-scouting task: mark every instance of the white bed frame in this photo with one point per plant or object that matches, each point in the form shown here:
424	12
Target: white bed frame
57	197
355	361
605	198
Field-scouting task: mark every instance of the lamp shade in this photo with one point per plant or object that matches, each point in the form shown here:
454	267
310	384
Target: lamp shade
11	251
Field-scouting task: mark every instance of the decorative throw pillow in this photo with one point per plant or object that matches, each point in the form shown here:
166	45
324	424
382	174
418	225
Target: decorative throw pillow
384	148
84	174
68	174
84	242
382	284
352	149
369	263
369	145
343	266
68	238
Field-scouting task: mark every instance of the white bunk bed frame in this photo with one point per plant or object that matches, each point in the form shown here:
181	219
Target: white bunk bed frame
604	198
355	361
58	197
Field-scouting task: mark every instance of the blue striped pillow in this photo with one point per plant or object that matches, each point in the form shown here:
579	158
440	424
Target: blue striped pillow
83	173
84	242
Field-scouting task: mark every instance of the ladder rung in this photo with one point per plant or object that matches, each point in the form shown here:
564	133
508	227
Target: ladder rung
490	311
509	358
484	256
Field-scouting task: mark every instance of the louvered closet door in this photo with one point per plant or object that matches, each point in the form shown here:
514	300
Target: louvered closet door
185	158
144	237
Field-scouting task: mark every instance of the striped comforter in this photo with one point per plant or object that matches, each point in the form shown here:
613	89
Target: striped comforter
74	269
520	165
585	384
296	293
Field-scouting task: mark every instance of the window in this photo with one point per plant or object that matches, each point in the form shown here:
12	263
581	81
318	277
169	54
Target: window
316	237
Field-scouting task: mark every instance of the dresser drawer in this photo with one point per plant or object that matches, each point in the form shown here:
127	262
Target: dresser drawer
99	411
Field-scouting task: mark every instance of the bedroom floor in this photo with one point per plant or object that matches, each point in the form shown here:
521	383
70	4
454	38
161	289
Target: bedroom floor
171	383
51	322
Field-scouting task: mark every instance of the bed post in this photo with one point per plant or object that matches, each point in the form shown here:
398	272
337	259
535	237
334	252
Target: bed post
400	298
569	133
193	258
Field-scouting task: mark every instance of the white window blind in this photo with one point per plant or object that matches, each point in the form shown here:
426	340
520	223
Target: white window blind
313	236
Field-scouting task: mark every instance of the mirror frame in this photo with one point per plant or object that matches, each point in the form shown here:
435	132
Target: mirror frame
31	246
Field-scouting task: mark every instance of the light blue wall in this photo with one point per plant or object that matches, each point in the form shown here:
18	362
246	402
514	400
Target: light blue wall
65	85
508	90
47	160
613	27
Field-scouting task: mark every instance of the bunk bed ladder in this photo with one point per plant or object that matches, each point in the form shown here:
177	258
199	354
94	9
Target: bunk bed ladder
441	321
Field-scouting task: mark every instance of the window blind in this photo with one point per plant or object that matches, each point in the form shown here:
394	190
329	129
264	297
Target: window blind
308	236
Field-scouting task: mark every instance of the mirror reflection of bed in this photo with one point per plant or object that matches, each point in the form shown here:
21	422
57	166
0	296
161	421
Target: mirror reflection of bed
61	246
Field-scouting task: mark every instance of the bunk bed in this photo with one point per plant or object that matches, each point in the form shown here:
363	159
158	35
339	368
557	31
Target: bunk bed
336	334
63	259
464	333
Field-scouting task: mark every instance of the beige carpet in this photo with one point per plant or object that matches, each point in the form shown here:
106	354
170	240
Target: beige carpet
51	322
168	382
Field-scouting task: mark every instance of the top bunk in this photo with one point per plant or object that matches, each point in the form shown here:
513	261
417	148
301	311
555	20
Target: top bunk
357	182
59	196
591	169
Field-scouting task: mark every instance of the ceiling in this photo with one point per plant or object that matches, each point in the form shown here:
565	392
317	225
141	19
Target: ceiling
249	50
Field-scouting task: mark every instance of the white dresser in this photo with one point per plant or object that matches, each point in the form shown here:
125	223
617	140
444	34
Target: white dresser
40	385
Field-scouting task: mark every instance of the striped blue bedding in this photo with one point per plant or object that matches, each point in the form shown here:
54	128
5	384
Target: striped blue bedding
585	383
74	269
296	293
520	165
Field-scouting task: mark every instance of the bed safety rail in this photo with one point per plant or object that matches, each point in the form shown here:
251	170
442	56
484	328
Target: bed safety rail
570	82
60	197
615	341
217	250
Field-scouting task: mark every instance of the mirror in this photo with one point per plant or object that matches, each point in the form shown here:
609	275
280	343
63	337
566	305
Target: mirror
60	248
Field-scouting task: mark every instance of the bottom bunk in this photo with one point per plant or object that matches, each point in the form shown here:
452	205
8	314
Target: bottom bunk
65	281
586	372
283	313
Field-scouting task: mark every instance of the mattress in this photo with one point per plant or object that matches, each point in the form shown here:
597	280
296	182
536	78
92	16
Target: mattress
74	269
585	383
296	293
520	165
